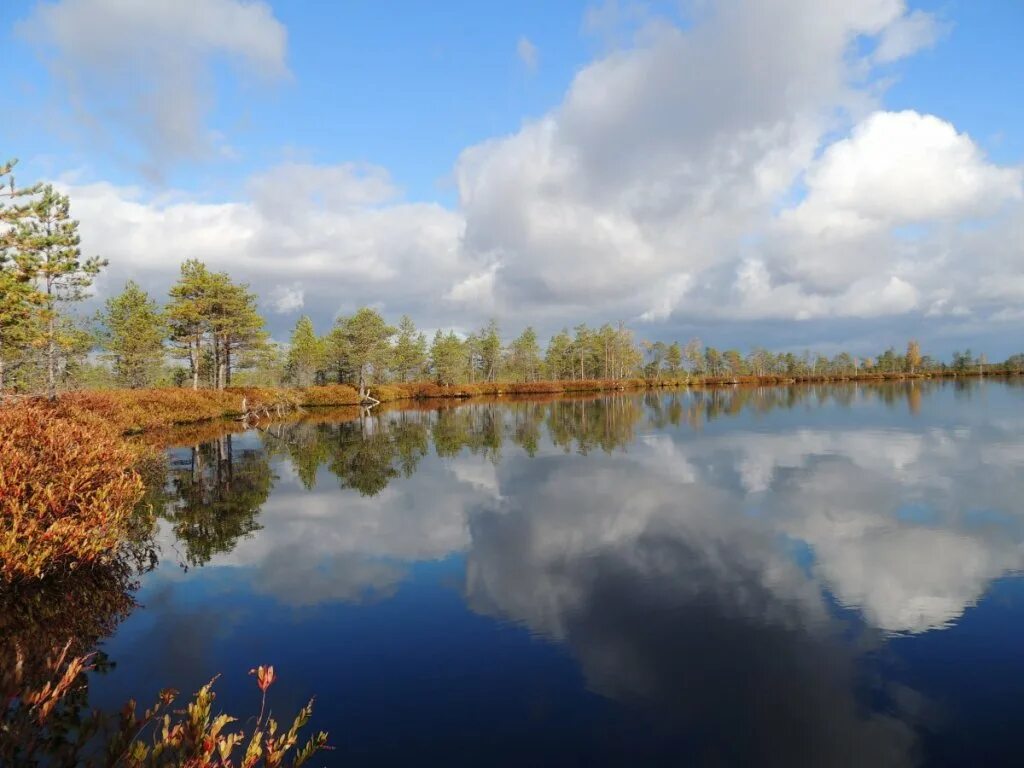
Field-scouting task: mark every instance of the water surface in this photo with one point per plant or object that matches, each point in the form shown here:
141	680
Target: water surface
780	576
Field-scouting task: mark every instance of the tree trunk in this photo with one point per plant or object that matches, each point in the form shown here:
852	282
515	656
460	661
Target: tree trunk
216	362
193	356
227	365
51	359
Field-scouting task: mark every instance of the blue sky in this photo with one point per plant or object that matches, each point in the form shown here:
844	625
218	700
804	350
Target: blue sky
609	175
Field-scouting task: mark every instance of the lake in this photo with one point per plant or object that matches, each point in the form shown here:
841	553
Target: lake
812	575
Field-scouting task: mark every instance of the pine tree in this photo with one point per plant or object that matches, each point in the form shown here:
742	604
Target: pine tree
558	359
19	298
490	351
409	356
581	347
360	346
235	327
673	359
134	333
47	238
305	354
447	358
657	353
186	314
524	356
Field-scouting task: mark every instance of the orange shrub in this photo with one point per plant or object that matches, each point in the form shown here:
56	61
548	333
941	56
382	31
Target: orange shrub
329	394
67	492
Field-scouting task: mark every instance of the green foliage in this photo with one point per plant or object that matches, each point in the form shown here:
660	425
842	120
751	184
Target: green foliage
48	243
409	356
134	330
20	299
210	315
559	358
447	358
216	498
359	348
305	355
524	360
40	268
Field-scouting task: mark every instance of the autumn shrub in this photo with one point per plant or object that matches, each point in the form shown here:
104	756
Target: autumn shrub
48	725
328	395
68	489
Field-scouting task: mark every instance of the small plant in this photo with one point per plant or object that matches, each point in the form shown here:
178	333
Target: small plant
195	738
44	725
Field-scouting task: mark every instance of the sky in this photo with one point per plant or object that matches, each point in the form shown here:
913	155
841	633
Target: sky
795	174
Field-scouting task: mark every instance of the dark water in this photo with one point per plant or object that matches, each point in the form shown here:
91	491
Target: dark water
806	576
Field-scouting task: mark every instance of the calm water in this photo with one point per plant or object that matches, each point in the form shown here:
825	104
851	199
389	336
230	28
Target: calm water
805	576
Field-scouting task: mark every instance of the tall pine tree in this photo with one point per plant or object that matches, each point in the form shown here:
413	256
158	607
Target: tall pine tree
19	297
186	314
47	239
134	330
305	354
409	357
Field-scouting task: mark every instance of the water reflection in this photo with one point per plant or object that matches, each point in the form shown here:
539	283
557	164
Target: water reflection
906	524
734	563
213	497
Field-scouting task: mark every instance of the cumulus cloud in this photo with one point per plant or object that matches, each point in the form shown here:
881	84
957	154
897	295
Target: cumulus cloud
144	67
737	167
900	168
322	238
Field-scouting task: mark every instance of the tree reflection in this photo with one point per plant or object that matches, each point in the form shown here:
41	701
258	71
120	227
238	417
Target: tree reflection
43	625
607	424
475	427
368	453
214	496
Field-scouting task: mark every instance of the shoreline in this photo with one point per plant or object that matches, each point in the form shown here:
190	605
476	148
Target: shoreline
137	411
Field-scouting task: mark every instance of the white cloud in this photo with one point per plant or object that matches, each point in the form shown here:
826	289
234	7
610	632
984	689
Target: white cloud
143	67
288	298
475	290
735	168
901	168
913	32
527	53
321	242
673	156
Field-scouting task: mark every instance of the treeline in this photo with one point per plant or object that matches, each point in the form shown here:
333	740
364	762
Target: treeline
208	333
